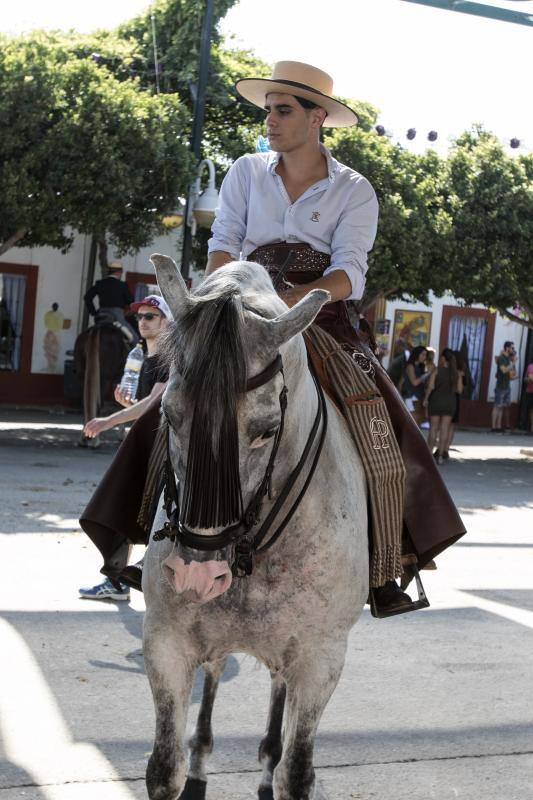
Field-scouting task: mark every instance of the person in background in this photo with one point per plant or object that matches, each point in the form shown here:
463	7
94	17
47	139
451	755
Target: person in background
430	359
430	366
440	399
528	380
114	297
397	365
461	372
505	372
153	315
414	382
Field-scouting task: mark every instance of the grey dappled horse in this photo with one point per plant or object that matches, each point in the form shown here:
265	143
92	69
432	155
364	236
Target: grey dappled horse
294	612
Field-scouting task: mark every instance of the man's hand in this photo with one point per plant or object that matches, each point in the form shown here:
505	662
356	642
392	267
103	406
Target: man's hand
95	427
124	399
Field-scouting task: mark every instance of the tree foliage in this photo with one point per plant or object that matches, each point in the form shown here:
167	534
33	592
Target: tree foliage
408	258
82	150
461	224
94	138
490	239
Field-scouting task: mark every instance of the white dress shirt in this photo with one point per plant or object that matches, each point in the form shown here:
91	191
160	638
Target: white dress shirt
338	215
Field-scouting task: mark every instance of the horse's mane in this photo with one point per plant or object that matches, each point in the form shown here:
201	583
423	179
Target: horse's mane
206	346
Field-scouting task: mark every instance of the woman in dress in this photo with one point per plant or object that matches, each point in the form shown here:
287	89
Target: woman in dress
414	381
441	401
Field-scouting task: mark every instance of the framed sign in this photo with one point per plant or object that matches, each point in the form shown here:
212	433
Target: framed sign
411	329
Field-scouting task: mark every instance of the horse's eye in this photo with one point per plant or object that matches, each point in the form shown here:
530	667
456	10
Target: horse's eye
260	441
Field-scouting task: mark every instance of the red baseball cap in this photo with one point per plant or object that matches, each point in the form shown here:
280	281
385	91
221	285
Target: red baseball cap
155	301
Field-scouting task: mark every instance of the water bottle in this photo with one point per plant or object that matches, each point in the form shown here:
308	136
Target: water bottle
132	370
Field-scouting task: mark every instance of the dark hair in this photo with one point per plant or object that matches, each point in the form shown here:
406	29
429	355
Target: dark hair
413	358
459	360
507	344
307	104
449	355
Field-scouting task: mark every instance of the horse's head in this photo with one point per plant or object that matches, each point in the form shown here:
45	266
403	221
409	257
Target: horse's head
233	351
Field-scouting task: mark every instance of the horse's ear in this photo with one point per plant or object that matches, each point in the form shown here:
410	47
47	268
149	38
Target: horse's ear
296	319
171	283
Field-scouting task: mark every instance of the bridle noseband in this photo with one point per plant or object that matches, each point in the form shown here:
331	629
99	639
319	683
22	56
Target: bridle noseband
246	546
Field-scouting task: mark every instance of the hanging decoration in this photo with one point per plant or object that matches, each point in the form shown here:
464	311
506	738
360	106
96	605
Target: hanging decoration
411	133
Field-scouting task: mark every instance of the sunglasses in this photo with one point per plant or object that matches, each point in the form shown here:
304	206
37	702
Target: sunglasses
149	316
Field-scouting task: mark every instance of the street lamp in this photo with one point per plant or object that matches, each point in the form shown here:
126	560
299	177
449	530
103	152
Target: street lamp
202	205
173	219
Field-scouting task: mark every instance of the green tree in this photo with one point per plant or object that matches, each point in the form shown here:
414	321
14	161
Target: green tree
490	203
409	256
83	150
174	26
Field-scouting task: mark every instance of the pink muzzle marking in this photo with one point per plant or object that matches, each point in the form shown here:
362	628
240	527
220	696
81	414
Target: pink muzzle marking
199	581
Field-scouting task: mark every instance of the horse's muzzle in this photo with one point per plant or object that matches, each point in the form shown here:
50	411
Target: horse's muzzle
197	581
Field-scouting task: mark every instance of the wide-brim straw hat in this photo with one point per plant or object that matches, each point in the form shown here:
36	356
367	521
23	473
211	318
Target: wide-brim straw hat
300	80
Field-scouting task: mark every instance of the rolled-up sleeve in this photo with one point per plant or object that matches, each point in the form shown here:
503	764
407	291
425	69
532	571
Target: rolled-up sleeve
354	236
229	228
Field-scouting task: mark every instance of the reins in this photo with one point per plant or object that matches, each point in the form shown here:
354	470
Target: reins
246	546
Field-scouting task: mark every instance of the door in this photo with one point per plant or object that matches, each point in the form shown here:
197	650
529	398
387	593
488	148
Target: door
18	288
471	331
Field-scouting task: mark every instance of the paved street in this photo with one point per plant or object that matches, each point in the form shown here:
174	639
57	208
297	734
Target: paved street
436	704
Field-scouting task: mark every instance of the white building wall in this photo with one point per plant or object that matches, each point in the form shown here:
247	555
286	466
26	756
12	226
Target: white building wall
62	280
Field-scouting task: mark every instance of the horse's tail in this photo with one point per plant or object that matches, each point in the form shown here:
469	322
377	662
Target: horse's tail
91	381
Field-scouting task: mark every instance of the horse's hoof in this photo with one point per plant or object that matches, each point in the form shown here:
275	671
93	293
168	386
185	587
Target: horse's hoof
265	793
194	790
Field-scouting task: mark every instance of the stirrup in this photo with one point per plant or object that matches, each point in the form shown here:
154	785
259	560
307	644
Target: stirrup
422	602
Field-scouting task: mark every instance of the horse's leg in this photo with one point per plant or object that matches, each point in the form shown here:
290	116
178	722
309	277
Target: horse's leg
201	742
310	684
271	745
170	674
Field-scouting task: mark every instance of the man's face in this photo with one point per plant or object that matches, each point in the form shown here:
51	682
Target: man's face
150	326
509	350
288	124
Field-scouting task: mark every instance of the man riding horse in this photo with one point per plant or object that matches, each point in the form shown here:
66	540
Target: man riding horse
311	221
113	297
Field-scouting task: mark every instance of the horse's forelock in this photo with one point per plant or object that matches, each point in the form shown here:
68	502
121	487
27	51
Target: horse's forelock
206	344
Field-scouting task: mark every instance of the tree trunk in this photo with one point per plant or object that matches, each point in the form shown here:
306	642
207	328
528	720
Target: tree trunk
527	323
368	300
102	254
12	240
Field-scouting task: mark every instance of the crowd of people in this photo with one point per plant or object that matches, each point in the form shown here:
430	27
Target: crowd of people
431	391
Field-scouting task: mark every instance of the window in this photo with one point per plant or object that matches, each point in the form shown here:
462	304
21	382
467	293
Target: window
468	334
12	293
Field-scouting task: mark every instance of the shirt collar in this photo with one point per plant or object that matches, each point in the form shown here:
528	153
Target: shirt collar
333	164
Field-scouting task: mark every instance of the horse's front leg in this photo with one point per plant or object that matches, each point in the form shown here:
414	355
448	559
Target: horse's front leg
201	742
271	744
170	674
310	683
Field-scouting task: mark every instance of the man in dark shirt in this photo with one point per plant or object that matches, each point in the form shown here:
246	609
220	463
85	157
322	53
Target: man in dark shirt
114	296
153	315
505	372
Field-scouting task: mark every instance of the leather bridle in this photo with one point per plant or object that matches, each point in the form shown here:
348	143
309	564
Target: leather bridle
249	544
